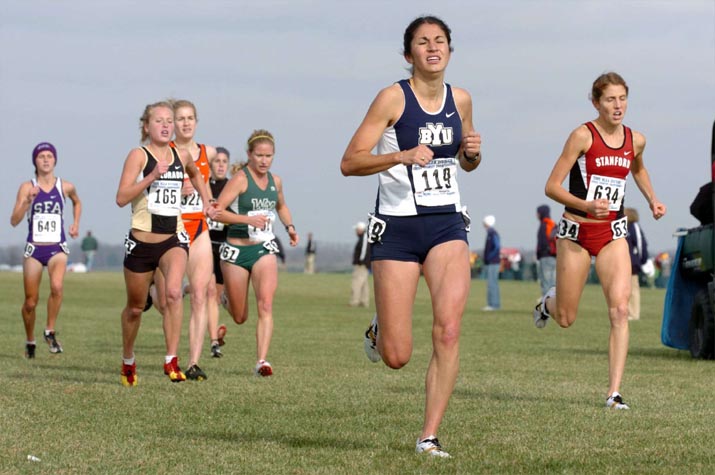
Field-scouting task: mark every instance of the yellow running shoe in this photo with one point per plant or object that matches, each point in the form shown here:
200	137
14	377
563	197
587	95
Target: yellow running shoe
172	370
129	375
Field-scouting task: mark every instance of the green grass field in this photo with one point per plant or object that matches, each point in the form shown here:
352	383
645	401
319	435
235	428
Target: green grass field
527	400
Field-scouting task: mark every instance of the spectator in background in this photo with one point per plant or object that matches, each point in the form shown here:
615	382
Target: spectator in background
702	206
492	248
514	259
281	255
360	295
89	247
638	248
310	255
663	268
475	265
546	248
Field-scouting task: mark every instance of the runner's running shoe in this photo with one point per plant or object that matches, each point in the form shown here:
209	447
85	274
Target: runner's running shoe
216	350
263	368
615	401
221	334
129	375
30	350
173	371
430	446
51	340
195	373
541	315
371	341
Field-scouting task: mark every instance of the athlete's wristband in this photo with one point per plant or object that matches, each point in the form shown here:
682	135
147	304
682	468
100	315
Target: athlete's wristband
478	156
288	226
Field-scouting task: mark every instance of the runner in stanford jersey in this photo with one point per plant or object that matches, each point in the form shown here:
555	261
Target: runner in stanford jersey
597	158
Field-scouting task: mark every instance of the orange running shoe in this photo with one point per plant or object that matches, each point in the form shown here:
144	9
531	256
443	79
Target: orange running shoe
173	371
221	334
263	368
129	374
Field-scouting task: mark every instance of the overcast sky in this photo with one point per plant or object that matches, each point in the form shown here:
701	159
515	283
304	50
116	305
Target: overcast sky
79	73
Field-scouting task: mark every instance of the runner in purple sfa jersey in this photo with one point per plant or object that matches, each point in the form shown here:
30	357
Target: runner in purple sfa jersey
42	200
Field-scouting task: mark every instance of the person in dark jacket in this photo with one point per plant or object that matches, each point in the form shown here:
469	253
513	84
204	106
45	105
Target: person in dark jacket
310	249
702	206
492	262
281	254
360	295
638	248
546	248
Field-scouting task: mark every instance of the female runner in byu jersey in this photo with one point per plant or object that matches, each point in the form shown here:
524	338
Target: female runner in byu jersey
423	131
597	158
151	181
42	199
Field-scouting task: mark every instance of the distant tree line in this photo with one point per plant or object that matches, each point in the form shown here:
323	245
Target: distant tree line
331	257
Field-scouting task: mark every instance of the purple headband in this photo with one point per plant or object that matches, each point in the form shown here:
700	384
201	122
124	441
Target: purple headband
41	147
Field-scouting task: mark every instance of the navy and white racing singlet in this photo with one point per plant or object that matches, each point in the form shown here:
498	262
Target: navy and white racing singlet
407	190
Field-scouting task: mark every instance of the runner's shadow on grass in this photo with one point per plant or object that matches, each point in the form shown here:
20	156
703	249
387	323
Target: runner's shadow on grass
12	356
467	393
508	397
288	440
645	352
44	372
661	353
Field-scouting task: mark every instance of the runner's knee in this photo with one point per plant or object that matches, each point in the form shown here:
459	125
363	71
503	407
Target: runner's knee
174	295
396	356
395	361
30	304
265	306
564	316
619	313
446	336
56	290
